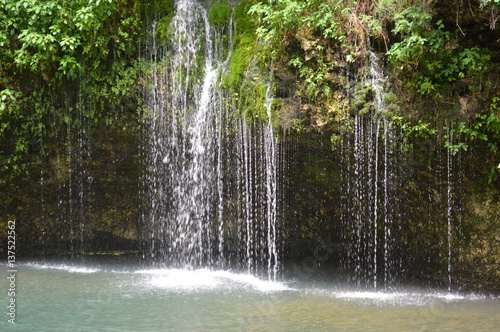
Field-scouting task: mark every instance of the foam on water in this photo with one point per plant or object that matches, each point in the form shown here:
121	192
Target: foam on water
417	298
369	295
63	267
250	280
205	279
458	297
199	280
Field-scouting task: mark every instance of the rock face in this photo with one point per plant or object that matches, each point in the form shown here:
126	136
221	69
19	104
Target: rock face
84	200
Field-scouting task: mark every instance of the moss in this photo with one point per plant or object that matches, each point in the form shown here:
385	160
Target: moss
362	94
244	43
163	30
260	92
255	102
365	109
219	14
276	108
250	93
166	9
160	8
389	97
392	107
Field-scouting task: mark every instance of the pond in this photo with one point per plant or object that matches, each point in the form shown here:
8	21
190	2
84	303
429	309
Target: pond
125	295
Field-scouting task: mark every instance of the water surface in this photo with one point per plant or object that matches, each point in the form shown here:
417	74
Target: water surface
119	295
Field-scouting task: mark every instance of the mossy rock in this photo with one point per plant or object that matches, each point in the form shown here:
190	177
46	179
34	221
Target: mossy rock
244	43
255	103
163	30
166	10
219	14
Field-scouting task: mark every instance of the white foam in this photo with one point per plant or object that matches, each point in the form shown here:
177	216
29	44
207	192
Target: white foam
369	295
254	282
459	297
182	279
419	298
63	267
177	279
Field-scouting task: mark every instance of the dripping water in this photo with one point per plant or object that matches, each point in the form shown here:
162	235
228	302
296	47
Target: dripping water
210	181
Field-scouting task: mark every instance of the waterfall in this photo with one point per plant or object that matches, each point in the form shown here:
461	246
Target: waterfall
368	215
401	197
271	186
210	177
449	196
453	211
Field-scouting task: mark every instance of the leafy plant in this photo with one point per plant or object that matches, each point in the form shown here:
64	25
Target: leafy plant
486	127
421	129
322	28
58	58
428	56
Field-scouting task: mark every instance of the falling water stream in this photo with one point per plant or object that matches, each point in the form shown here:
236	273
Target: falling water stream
368	214
204	162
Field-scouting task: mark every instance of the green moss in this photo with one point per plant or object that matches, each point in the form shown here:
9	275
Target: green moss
365	109
251	91
276	107
163	30
389	115
362	94
392	108
261	91
219	14
254	102
166	9
389	97
244	43
160	8
248	114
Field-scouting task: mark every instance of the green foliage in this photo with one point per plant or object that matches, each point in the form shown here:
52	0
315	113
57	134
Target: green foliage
284	17
387	9
336	140
244	43
314	84
55	37
58	58
485	3
20	119
429	57
219	14
486	127
313	39
455	148
421	129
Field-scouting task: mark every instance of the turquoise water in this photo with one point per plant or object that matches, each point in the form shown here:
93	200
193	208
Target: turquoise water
118	295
